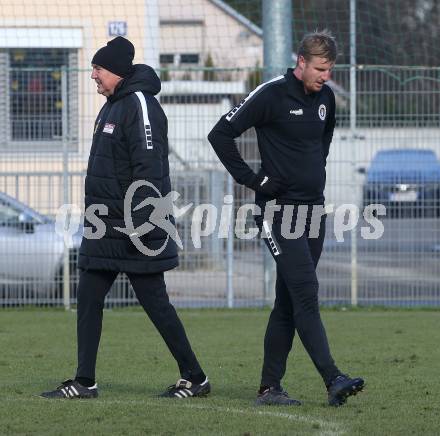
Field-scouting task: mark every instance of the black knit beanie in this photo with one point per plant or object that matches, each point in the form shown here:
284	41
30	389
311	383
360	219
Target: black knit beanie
117	56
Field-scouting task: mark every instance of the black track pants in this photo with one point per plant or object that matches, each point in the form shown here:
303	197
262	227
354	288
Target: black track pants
150	290
296	302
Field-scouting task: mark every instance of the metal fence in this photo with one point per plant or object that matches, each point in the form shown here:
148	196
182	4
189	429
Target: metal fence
397	109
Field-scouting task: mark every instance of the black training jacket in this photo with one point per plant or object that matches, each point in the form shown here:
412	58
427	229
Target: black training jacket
126	147
294	132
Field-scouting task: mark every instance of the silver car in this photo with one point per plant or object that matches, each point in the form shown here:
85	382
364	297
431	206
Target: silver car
31	254
31	260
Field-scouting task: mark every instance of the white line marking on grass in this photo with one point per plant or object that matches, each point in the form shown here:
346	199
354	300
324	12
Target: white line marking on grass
326	428
330	428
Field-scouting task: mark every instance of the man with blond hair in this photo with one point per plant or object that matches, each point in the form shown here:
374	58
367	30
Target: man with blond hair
294	118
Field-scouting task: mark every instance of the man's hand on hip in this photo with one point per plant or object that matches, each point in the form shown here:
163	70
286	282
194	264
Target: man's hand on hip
268	185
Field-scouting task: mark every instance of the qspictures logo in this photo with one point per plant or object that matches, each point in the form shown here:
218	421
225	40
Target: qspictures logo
207	220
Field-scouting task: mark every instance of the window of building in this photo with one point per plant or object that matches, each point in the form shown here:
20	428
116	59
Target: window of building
37	112
189	58
166	59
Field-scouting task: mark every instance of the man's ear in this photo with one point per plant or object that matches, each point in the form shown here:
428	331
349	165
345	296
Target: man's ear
301	61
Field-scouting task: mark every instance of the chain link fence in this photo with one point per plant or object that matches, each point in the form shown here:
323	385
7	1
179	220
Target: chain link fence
390	158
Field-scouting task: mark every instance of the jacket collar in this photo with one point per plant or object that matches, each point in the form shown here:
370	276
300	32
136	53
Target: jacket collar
295	87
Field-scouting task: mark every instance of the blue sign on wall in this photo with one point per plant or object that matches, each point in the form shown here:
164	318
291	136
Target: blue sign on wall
117	28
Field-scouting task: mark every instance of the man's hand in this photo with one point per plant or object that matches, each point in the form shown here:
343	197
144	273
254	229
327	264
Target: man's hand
268	185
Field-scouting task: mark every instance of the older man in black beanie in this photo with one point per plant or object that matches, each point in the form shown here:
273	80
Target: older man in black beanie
129	145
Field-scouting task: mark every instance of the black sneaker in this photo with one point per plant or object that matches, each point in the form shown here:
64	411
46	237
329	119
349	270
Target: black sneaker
71	389
342	387
274	396
185	389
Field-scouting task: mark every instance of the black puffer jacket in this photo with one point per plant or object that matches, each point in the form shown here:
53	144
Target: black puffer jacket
123	152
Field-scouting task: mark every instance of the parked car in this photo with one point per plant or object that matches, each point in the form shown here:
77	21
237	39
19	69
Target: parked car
31	253
31	258
405	181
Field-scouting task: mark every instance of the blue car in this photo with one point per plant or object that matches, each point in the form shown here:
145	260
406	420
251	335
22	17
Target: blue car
405	181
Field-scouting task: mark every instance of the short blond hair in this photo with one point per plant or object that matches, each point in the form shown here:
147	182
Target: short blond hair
319	43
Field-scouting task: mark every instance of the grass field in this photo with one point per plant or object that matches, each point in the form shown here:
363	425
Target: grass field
398	353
